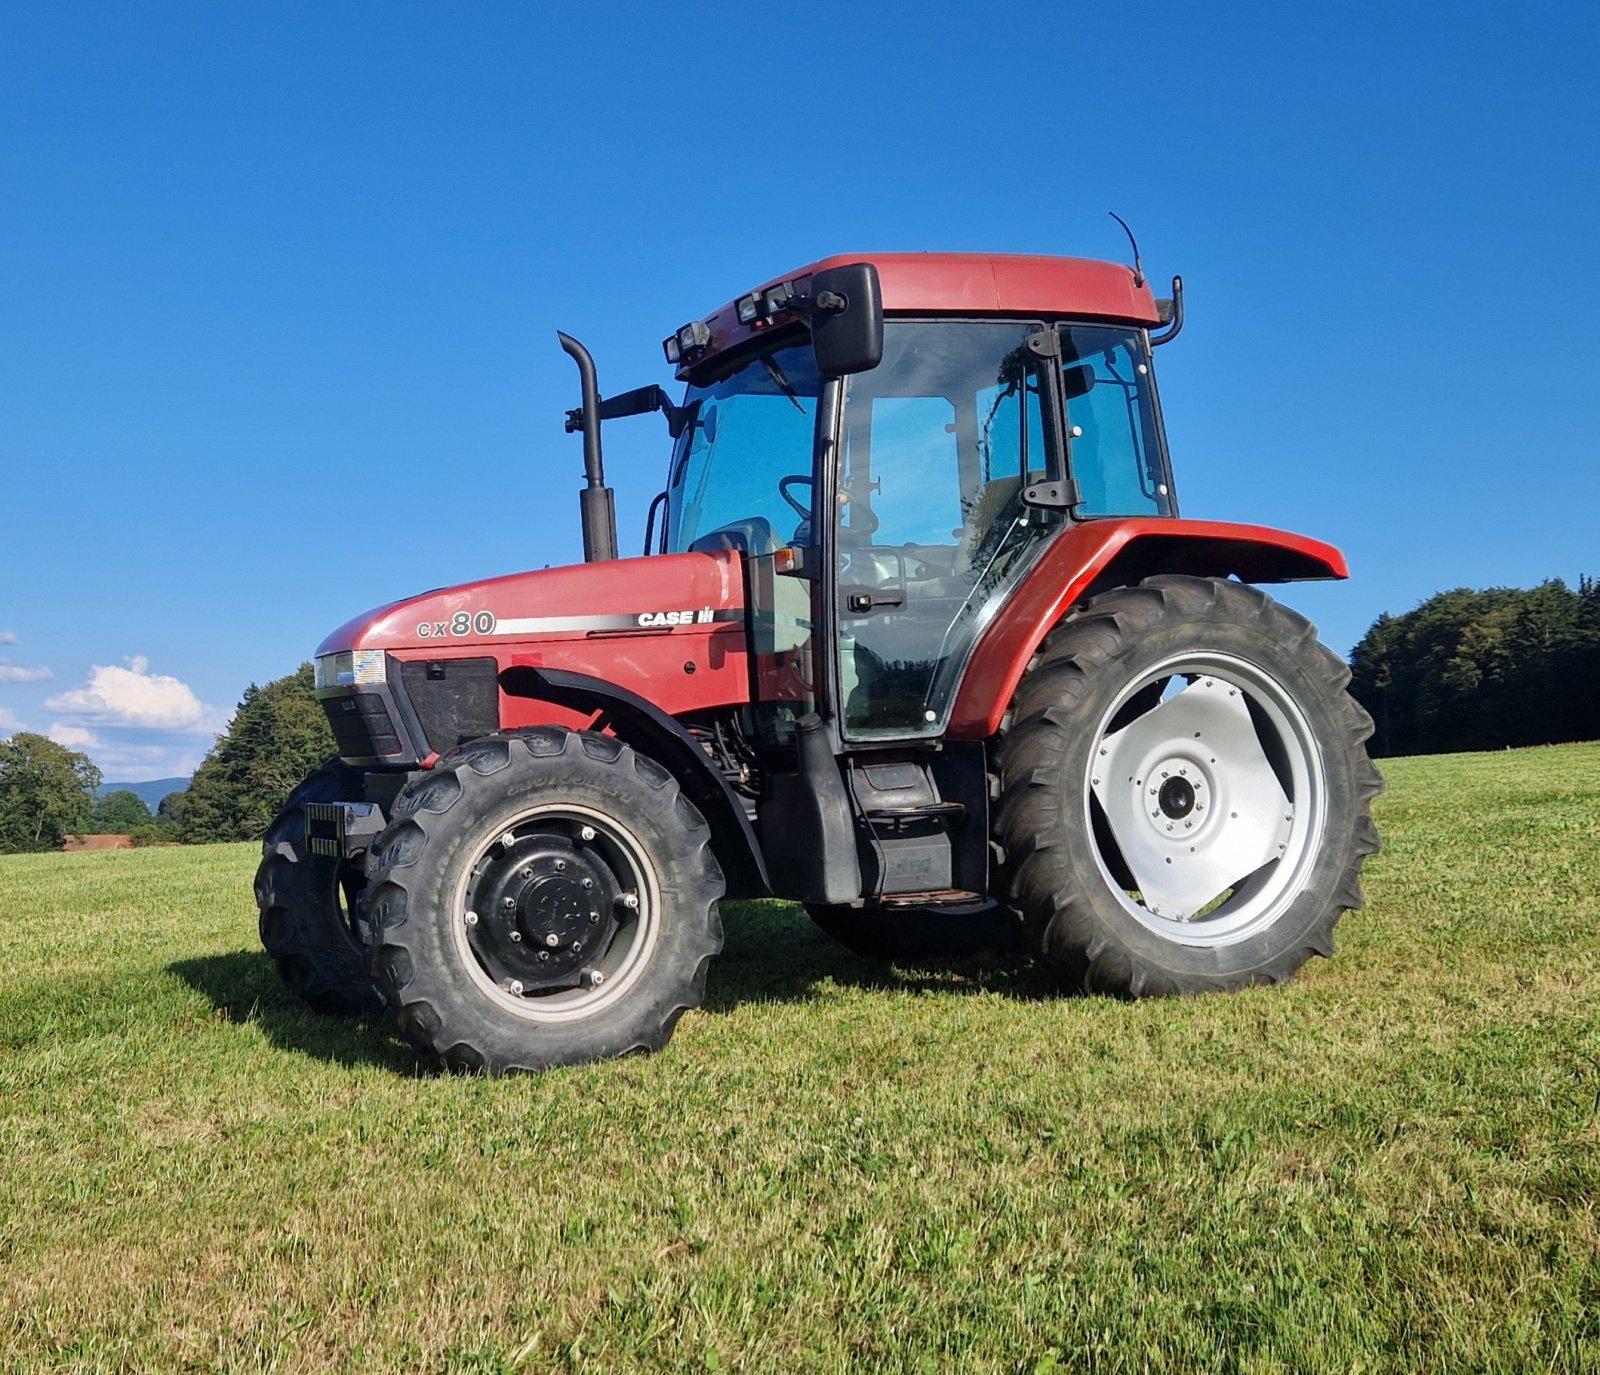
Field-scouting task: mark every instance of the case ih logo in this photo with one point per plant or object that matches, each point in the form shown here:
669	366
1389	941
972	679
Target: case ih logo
657	618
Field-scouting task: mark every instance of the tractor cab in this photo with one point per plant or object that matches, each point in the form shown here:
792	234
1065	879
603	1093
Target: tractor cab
910	497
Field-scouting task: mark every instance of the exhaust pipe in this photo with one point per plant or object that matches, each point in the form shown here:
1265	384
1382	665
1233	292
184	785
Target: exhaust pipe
596	506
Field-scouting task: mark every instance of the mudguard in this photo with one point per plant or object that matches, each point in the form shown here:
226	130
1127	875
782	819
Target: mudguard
1092	555
643	725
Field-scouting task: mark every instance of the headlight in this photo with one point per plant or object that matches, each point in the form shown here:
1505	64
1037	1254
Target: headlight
349	668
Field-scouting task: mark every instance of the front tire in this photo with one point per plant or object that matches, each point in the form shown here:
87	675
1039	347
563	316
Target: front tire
543	898
1184	791
310	904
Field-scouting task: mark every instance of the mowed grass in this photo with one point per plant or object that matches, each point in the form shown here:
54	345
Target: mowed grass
1392	1164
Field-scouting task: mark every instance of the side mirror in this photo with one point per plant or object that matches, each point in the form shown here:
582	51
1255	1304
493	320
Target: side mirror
846	319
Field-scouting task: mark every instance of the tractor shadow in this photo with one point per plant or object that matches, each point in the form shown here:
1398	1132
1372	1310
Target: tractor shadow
772	953
245	989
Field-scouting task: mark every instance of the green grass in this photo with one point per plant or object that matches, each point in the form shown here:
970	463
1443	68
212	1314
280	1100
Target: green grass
1391	1164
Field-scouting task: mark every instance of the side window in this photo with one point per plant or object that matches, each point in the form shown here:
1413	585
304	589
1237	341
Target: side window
915	483
1111	424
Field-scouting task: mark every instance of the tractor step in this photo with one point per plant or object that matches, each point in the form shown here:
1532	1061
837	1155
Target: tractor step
939	897
918	811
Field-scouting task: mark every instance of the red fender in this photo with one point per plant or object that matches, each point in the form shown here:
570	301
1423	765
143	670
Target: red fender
1093	555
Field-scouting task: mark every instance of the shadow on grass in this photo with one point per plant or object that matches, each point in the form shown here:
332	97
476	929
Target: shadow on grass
772	953
246	989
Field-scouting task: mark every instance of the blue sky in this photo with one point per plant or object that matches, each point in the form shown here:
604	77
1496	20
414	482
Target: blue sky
279	285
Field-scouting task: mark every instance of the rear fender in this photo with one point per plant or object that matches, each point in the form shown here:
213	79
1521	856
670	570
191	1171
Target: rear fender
643	725
1095	555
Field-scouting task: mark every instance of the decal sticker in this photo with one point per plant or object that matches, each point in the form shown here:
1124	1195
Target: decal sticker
660	618
462	623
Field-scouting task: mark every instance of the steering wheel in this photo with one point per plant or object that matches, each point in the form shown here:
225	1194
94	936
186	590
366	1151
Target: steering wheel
784	483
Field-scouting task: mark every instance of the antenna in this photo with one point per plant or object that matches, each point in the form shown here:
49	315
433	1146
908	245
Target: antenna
1138	267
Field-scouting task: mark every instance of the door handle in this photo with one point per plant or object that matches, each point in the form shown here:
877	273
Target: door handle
864	602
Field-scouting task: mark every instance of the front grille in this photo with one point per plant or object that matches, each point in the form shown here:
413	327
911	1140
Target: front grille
362	726
454	699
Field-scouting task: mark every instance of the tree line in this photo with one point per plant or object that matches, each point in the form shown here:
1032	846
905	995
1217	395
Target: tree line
1483	670
278	735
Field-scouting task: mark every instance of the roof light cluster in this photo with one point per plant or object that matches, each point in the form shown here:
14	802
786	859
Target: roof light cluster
763	305
757	309
689	342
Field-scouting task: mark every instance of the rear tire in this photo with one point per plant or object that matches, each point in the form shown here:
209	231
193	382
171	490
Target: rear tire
542	898
884	933
309	905
1184	792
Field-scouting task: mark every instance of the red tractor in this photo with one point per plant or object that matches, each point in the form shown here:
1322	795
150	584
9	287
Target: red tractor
918	639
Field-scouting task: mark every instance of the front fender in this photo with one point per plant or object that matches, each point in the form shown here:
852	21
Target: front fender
644	726
1093	555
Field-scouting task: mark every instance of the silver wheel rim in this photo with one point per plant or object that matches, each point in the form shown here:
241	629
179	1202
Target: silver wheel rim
1211	799
630	950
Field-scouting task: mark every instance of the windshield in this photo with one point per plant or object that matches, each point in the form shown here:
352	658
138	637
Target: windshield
741	470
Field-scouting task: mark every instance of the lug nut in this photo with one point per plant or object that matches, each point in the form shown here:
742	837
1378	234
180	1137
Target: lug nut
588	883
587	833
593	977
471	918
552	940
630	901
544	957
516	935
510	903
577	947
561	864
508	840
593	918
514	988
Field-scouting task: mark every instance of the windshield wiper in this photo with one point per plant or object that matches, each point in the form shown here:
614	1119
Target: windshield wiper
784	385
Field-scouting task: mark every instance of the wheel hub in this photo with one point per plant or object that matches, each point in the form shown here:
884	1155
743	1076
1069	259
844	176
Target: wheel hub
1191	799
544	908
1176	798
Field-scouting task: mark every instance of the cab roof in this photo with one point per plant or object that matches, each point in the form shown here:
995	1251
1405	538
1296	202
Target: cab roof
967	284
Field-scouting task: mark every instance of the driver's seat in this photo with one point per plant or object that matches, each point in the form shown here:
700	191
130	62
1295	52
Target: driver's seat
753	537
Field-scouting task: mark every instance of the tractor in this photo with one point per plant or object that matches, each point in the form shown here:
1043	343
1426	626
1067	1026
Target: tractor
917	639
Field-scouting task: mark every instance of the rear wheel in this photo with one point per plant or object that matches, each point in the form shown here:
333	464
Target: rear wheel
310	909
1185	794
895	933
543	898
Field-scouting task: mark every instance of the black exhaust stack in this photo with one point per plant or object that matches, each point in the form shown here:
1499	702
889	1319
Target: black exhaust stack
596	506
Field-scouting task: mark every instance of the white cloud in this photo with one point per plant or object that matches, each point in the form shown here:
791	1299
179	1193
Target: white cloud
122	759
22	673
133	696
8	637
8	721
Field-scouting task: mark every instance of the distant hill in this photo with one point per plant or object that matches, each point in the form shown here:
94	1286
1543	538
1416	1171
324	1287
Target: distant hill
152	792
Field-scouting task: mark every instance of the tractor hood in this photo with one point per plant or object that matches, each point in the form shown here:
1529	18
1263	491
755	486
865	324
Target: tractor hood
676	594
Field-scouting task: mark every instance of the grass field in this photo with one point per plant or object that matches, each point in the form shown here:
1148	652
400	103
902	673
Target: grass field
1392	1164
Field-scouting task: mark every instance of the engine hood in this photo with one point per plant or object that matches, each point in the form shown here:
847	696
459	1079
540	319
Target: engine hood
678	593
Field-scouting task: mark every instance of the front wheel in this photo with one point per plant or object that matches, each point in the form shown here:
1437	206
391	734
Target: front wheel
1184	791
542	898
310	904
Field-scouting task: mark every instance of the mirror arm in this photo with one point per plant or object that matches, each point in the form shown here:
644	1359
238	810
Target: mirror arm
1174	314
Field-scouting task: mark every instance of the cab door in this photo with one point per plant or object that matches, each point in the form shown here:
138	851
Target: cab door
930	529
